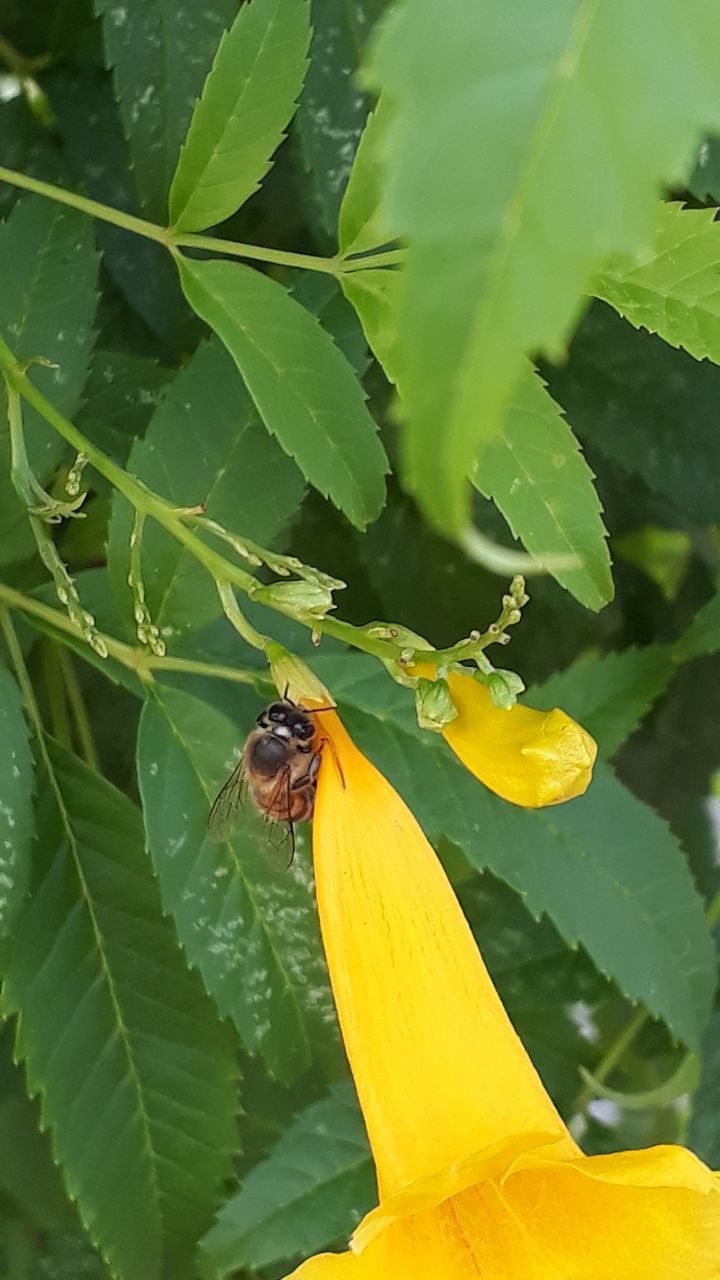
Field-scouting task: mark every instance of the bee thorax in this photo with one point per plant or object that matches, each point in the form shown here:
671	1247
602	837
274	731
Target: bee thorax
267	755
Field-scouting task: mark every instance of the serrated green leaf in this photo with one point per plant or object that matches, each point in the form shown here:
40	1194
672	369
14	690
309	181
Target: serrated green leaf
17	823
536	474
304	389
204	445
703	635
27	1172
160	52
673	288
703	1135
48	266
605	868
248	926
246	104
311	1192
611	693
493	273
333	106
360	225
373	294
135	1074
628	394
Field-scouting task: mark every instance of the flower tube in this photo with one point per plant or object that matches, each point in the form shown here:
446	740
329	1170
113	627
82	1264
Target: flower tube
478	1175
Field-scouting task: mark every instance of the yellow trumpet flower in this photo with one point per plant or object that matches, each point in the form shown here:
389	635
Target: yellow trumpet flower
478	1175
531	758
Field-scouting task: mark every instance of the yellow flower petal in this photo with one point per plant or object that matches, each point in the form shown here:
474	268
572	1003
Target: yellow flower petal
639	1221
439	1069
532	758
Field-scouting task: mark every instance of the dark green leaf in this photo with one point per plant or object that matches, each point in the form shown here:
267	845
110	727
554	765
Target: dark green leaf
493	273
333	106
98	155
703	1135
310	1192
609	693
705	182
204	445
135	1074
121	393
703	636
304	389
17	825
605	868
27	1172
247	925
48	266
536	474
628	394
239	121
27	147
161	52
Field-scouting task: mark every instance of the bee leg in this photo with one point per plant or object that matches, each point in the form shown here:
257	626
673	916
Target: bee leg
291	827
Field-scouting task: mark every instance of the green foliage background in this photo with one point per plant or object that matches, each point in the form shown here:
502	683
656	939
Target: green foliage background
376	308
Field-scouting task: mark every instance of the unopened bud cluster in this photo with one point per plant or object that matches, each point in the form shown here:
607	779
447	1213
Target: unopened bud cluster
433	704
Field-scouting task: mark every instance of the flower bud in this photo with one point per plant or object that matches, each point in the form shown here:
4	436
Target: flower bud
294	680
504	687
296	599
433	704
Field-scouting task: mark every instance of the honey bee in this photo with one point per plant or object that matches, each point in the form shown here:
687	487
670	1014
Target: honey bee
279	768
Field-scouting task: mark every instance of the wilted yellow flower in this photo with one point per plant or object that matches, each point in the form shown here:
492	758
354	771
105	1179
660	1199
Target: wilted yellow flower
532	758
478	1176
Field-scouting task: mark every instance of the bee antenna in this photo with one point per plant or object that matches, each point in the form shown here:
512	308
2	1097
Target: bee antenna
316	711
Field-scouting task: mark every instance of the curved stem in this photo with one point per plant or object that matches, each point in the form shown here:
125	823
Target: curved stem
236	249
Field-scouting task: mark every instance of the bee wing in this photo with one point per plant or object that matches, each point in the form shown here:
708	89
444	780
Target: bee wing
224	810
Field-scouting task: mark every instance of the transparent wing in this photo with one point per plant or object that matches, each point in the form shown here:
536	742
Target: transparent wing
225	806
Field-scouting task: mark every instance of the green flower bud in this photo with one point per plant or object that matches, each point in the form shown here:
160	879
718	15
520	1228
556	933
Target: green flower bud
504	687
433	704
296	599
293	679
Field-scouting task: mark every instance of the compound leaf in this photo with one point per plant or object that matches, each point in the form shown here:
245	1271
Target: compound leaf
135	1074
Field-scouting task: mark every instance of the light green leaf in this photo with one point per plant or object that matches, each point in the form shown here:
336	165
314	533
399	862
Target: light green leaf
48	268
135	1074
626	392
248	925
578	112
17	823
160	52
605	868
204	445
611	693
673	288
536	474
303	387
247	101
373	293
309	1194
359	221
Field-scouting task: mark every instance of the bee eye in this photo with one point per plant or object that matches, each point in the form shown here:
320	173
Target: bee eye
277	713
304	729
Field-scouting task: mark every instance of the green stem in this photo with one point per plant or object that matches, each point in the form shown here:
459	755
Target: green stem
385	258
257	252
76	701
137	660
164	235
237	619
